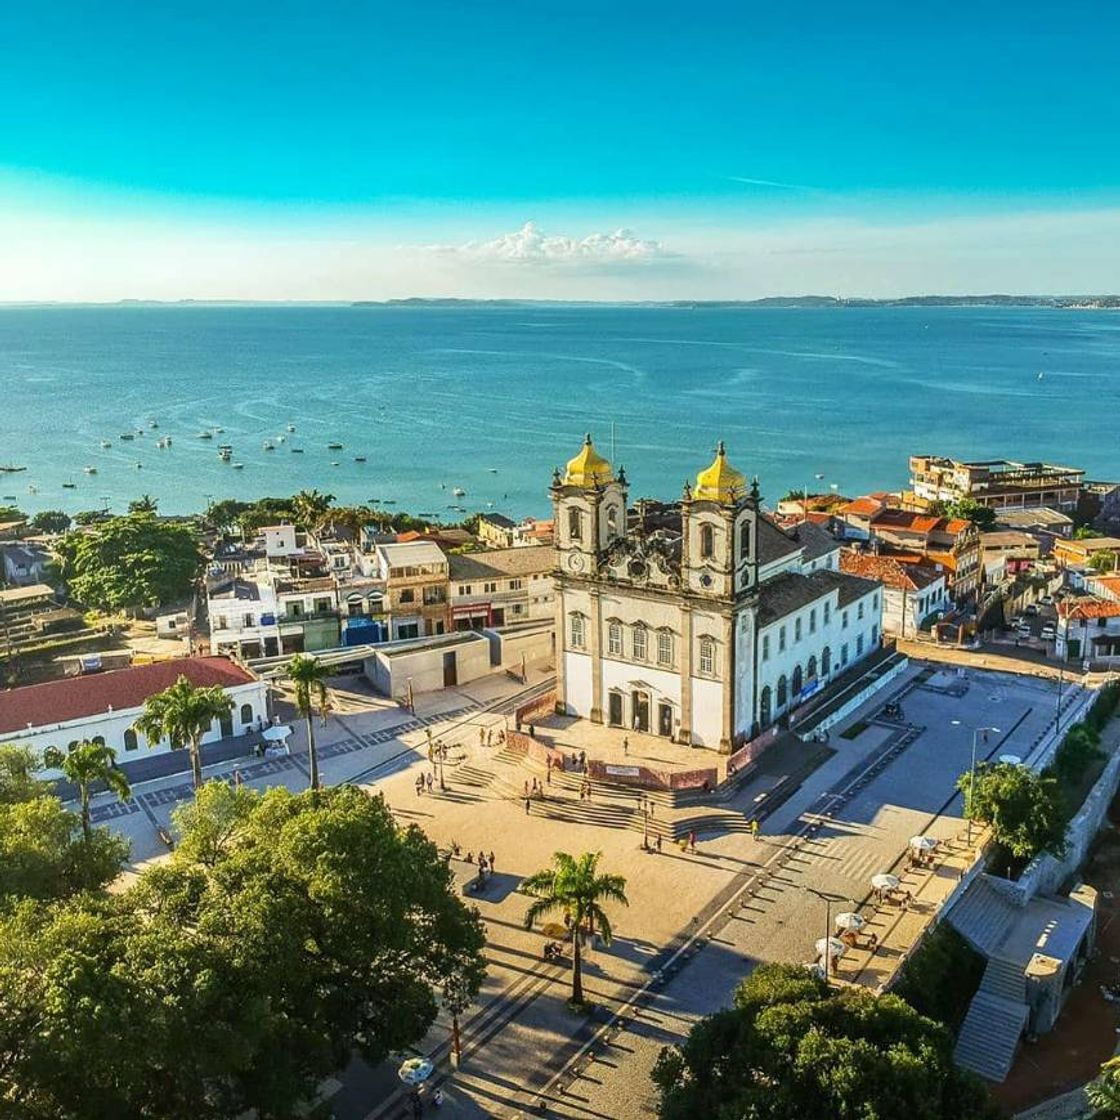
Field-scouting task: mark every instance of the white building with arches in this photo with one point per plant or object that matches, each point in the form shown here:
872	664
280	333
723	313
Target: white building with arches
700	620
105	707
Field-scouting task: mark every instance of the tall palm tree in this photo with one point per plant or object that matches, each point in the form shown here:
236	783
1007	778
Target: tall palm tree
1103	1093
310	506
183	714
574	887
309	675
87	763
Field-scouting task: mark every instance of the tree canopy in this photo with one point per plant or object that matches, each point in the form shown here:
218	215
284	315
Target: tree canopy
129	562
284	933
50	521
1104	561
791	1048
967	509
1024	809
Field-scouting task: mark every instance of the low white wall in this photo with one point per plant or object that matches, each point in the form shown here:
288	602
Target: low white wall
390	672
859	698
534	643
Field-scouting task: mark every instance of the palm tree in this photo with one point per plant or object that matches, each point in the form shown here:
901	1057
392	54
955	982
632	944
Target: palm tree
90	761
572	885
309	675
183	714
1103	1093
310	506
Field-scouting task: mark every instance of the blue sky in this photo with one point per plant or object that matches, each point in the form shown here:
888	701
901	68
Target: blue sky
393	149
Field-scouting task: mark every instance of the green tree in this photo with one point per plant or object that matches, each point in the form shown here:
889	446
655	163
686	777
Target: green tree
86	517
310	507
84	766
43	854
130	562
50	521
792	1048
1103	561
1024	809
144	504
1084	533
574	887
309	676
18	766
12	513
968	509
183	714
1103	1092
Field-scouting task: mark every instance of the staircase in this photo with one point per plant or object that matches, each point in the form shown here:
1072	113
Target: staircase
983	916
990	1033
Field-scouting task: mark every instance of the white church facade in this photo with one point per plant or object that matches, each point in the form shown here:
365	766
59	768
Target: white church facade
701	620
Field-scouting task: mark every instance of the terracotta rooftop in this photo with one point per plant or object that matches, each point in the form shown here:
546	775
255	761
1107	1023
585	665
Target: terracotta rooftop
1088	608
862	507
77	697
887	570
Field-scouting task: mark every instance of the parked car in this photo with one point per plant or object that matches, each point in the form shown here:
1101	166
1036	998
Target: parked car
1047	600
1031	608
1048	633
1024	630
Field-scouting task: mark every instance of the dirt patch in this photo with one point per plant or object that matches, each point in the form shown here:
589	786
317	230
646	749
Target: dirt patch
1086	1032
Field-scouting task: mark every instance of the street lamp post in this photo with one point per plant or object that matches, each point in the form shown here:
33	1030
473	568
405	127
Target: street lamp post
828	900
441	754
976	731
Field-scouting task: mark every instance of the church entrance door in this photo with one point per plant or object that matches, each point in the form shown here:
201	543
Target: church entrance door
614	709
665	720
640	708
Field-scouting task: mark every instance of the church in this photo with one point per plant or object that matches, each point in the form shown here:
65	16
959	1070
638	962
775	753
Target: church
699	620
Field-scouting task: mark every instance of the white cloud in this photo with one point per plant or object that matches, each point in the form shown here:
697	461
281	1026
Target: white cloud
529	245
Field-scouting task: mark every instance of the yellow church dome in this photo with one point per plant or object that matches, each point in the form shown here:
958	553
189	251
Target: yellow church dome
588	468
721	482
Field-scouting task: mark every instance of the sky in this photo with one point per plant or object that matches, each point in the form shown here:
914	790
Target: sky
610	150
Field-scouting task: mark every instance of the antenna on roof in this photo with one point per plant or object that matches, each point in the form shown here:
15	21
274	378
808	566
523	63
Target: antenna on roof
612	442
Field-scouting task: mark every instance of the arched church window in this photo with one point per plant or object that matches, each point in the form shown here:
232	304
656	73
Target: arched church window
795	683
130	740
707	656
664	647
575	524
826	660
578	635
246	713
614	639
745	540
783	692
707	542
764	704
641	642
612	521
811	667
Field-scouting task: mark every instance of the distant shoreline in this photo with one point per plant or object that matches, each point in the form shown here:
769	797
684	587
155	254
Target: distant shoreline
1060	303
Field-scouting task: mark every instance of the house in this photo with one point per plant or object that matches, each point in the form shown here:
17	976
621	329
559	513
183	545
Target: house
1077	553
1041	522
1104	586
701	620
173	624
24	563
495	530
500	587
996	483
105	706
268	614
1010	551
853	520
913	594
534	531
1088	629
415	578
952	543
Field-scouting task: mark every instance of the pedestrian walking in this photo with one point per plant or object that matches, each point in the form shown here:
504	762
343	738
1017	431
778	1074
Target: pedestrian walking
482	737
754	827
491	858
691	840
625	746
527	803
489	736
526	787
548	772
419	786
659	843
238	780
430	783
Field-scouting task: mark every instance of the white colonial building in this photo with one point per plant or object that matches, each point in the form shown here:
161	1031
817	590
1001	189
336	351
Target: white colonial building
105	706
702	620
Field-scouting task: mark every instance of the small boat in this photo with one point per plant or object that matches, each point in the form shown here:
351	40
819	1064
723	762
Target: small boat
205	435
10	498
459	492
335	463
268	446
296	450
90	470
280	439
225	453
127	436
139	466
359	458
291	427
492	470
219	431
106	443
334	446
11	468
33	489
388	501
238	466
69	486
163	442
153	423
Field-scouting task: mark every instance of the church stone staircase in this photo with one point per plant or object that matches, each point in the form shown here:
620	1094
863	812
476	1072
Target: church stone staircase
990	1033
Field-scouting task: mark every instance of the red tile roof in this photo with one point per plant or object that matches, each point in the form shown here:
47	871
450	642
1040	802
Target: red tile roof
1088	608
862	507
887	570
78	697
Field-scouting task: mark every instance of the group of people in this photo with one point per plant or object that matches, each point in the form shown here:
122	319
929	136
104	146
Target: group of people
485	863
486	736
425	782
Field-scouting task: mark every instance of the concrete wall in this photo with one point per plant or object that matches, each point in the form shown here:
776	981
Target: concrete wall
507	647
389	670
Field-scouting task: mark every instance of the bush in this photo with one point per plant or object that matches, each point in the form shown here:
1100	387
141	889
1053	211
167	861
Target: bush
940	979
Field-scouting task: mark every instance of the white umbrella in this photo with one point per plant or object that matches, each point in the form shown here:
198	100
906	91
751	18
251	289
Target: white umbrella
832	945
276	734
849	920
885	882
415	1071
923	843
1010	759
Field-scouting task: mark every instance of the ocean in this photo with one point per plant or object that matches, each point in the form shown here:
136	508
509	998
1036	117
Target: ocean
490	398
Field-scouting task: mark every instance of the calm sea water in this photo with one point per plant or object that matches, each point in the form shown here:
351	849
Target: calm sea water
490	399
